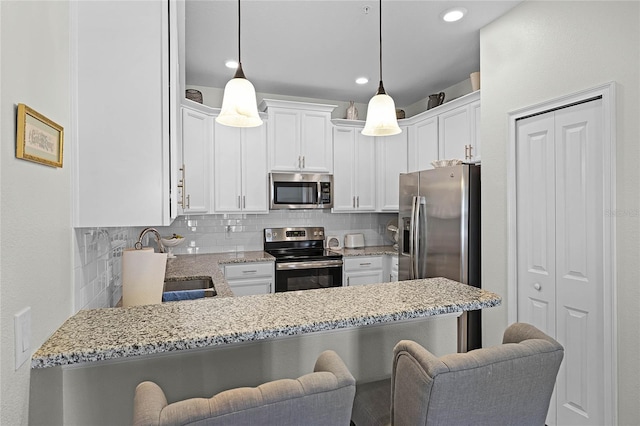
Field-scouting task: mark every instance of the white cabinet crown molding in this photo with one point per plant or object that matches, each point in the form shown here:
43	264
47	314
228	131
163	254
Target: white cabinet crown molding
307	106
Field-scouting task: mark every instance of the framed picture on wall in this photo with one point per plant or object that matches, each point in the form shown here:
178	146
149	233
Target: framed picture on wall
39	139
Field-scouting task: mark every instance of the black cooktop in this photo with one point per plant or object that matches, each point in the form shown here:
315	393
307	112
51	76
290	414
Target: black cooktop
303	254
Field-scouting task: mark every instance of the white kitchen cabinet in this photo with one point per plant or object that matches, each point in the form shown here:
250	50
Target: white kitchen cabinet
250	278
361	270
391	267
423	144
125	95
458	132
299	136
196	178
354	174
240	163
449	131
392	160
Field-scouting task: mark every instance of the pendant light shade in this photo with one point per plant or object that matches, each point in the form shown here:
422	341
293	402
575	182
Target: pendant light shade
381	111
239	106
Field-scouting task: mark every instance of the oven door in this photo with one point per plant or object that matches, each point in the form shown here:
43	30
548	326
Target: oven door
307	275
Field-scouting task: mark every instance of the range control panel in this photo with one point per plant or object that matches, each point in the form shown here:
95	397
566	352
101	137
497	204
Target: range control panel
293	234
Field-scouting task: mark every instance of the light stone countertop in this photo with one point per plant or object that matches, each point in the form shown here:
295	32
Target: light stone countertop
368	251
192	266
103	334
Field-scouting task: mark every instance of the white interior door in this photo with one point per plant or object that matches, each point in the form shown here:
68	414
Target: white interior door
560	221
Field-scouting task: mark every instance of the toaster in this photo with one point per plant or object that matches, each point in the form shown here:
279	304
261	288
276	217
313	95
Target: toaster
354	240
333	242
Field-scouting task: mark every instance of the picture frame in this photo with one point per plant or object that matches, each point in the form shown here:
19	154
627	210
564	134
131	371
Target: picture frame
38	139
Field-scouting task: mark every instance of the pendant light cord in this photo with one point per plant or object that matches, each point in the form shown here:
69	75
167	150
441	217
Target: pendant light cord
380	41
239	71
239	23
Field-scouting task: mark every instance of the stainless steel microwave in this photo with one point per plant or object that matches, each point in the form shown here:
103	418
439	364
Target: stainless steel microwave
301	190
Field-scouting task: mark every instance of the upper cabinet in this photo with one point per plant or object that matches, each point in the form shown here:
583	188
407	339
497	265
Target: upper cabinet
125	113
392	160
449	131
299	136
241	183
196	157
354	169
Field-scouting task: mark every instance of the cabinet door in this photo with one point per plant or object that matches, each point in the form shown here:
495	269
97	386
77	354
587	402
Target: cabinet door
365	178
122	149
254	170
474	113
423	144
392	155
454	133
197	142
315	140
284	140
227	163
343	168
364	277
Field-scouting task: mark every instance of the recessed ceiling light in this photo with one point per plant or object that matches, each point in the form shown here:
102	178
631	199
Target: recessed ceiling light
231	64
453	15
362	80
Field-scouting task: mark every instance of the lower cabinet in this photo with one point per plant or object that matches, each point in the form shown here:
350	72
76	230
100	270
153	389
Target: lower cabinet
392	267
250	278
362	270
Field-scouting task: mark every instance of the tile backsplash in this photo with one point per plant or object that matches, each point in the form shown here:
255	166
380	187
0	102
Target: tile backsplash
98	251
98	266
244	232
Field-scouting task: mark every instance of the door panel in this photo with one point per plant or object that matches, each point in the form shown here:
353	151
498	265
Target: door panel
560	222
579	242
536	223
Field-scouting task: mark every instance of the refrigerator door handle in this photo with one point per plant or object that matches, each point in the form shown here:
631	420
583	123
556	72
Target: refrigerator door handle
419	202
412	239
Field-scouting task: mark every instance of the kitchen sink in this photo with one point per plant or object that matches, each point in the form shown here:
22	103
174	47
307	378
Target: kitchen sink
188	289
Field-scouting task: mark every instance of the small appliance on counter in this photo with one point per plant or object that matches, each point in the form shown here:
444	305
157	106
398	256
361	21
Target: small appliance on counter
333	242
354	241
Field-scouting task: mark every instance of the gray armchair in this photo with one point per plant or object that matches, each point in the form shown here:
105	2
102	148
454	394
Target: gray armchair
510	384
324	397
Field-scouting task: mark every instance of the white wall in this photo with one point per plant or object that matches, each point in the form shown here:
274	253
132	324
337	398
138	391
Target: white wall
35	206
540	51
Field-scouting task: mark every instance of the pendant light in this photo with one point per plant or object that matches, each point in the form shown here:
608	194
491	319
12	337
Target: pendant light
239	107
381	111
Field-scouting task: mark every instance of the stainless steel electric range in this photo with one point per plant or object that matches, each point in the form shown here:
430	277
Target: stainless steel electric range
302	262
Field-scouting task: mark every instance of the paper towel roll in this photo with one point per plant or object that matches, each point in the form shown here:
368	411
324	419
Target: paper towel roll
142	276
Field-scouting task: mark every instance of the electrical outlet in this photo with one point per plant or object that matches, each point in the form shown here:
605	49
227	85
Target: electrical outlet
22	331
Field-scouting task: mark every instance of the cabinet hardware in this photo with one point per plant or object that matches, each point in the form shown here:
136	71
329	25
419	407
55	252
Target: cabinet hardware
239	205
299	161
253	271
468	152
188	201
537	286
244	201
358	202
348	281
354	201
303	161
181	185
365	264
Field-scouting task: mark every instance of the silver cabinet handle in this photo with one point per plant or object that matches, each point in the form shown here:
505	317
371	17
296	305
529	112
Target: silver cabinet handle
303	162
299	161
181	185
348	281
365	264
354	201
467	152
188	201
244	201
239	205
252	271
358	202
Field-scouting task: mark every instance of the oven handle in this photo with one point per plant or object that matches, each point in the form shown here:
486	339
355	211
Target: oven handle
309	265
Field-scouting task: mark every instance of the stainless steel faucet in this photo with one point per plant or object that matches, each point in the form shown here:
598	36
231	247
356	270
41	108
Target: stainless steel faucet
145	231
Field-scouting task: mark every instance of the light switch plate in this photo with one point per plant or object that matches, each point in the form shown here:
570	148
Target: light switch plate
22	332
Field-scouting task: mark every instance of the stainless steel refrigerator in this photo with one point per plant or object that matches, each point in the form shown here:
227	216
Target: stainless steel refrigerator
439	232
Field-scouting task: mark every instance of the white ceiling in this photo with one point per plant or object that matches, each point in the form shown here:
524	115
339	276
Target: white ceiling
316	49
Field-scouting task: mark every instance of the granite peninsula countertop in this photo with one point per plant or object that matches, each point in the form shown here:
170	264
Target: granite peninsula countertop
103	334
368	251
